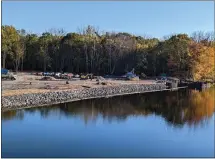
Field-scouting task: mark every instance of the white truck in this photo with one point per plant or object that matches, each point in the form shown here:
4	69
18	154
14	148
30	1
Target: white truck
6	75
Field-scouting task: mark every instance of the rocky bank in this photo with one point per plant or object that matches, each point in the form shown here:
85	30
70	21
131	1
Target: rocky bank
56	97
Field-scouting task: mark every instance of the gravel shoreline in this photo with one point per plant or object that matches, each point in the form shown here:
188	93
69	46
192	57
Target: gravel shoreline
63	96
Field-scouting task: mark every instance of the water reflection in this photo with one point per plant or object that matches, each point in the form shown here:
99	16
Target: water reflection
189	107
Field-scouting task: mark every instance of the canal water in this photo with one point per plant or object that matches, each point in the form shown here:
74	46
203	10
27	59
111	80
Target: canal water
162	124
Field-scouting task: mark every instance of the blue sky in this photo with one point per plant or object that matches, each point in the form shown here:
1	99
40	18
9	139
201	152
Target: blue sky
156	19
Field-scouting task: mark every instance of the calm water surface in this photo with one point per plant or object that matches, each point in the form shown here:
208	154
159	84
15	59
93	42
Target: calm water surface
164	124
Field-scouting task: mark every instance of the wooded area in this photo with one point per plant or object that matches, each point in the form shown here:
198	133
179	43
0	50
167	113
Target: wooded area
100	53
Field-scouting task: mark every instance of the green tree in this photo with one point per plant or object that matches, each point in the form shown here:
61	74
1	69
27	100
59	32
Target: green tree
101	53
177	48
9	37
44	42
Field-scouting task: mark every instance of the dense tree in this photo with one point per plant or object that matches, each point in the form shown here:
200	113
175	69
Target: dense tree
202	61
91	51
177	48
31	57
9	38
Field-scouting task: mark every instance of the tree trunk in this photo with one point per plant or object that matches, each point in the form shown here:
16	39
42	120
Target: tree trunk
24	50
113	69
22	63
44	65
109	60
86	58
63	62
4	59
56	63
91	63
16	64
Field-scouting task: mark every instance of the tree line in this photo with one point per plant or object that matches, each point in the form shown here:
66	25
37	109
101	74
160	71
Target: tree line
92	51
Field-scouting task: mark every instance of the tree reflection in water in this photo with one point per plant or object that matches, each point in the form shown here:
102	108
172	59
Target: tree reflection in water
177	108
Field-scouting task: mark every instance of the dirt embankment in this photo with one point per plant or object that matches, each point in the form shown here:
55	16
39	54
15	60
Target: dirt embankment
26	83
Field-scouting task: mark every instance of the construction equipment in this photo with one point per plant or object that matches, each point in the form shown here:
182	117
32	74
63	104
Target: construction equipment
131	76
86	76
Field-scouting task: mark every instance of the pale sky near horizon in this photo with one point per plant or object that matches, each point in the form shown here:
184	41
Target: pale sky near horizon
155	19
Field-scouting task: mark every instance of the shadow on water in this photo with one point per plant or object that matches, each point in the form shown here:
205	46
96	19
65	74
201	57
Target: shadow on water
181	107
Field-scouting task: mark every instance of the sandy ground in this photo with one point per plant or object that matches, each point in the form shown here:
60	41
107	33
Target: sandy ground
26	83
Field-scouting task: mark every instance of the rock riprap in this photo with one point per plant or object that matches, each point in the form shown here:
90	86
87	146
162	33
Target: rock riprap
56	97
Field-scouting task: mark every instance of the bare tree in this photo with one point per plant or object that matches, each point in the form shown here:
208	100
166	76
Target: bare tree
206	38
88	37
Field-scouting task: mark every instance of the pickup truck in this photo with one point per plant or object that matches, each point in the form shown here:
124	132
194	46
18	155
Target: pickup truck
6	75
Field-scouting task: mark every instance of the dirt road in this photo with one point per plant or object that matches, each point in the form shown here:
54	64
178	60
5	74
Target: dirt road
26	83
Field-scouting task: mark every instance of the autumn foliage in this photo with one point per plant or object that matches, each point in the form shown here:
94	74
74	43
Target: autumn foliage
202	61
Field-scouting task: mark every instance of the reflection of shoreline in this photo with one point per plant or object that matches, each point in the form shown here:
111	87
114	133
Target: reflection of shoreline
177	108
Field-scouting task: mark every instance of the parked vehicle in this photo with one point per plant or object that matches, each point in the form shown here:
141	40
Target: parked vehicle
70	75
135	78
64	76
45	73
40	74
86	76
52	73
76	76
6	75
131	76
58	75
48	73
4	71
